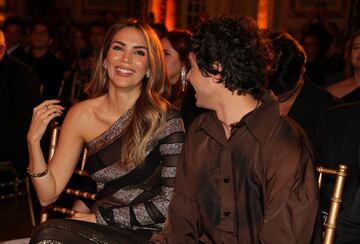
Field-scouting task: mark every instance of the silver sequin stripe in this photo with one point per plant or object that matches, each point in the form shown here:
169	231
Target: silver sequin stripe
125	196
110	134
171	149
168	172
142	215
171	126
122	216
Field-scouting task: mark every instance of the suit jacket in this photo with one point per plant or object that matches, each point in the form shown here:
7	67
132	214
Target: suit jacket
19	94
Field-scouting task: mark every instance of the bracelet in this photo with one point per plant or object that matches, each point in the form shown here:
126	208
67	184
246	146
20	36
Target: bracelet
41	174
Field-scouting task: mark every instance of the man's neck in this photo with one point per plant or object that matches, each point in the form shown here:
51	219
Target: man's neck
232	108
39	52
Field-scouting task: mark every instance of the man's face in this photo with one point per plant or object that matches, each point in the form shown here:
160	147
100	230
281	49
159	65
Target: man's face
40	37
96	37
13	35
204	86
311	47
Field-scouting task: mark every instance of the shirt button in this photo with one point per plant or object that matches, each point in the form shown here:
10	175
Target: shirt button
226	180
226	213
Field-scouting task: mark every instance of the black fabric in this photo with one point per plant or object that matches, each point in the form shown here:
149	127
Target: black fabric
19	94
75	231
310	102
50	71
338	141
353	96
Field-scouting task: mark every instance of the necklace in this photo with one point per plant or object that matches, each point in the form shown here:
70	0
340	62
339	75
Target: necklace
236	124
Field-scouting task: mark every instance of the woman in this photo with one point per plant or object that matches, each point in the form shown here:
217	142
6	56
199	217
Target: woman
175	45
134	141
349	89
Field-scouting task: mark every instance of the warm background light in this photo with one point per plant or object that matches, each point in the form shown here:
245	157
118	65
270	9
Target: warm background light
170	14
262	13
2	10
164	12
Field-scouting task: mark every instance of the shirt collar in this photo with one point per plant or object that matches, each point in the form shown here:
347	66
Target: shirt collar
259	121
11	49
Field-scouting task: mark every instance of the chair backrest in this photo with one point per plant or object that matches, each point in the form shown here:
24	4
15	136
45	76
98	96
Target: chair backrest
336	199
16	183
55	131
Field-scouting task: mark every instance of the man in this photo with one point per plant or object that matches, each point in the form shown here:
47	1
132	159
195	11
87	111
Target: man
298	98
19	94
246	174
49	69
14	31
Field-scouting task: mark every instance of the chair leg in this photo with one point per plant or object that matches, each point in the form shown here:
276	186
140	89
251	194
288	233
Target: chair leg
30	202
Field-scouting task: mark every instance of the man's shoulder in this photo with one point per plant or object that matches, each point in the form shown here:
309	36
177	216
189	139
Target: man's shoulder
287	131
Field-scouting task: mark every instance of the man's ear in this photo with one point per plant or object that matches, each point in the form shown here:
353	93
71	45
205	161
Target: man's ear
218	67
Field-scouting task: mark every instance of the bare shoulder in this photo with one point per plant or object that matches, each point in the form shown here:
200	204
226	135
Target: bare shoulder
82	116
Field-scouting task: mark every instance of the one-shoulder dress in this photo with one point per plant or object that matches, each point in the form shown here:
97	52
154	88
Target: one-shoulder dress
131	203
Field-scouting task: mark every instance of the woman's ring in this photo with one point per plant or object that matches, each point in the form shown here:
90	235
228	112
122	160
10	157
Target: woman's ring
46	107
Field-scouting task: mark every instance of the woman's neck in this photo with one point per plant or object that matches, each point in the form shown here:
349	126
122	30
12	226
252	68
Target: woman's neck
356	77
120	102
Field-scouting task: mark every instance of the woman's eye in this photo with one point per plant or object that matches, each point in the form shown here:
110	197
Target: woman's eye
116	47
140	52
166	53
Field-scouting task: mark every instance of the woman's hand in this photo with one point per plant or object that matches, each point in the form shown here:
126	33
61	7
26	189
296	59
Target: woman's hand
89	217
42	115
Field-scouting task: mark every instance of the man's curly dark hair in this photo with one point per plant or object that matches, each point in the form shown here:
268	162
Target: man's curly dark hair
244	51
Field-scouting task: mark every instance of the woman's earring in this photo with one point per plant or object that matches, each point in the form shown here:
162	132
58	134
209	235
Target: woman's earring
105	65
147	74
183	77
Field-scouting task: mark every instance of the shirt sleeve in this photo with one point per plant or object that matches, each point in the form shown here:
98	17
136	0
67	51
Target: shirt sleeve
290	193
182	224
152	211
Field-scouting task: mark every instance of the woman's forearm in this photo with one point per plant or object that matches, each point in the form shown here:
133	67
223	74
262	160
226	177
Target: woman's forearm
44	184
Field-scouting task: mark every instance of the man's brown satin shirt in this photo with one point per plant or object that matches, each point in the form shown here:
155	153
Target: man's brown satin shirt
258	186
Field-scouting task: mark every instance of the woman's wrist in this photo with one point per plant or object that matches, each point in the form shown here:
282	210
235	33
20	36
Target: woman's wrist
37	174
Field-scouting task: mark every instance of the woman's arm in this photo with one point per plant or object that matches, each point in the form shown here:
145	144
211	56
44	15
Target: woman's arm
49	186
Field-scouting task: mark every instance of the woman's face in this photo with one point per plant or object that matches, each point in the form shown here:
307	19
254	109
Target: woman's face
173	63
355	53
127	59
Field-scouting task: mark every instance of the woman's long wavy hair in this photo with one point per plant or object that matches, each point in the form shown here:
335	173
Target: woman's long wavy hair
179	40
349	68
150	108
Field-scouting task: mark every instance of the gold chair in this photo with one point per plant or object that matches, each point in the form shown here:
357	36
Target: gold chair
15	183
336	199
69	191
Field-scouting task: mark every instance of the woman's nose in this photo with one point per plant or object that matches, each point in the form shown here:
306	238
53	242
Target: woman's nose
126	57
